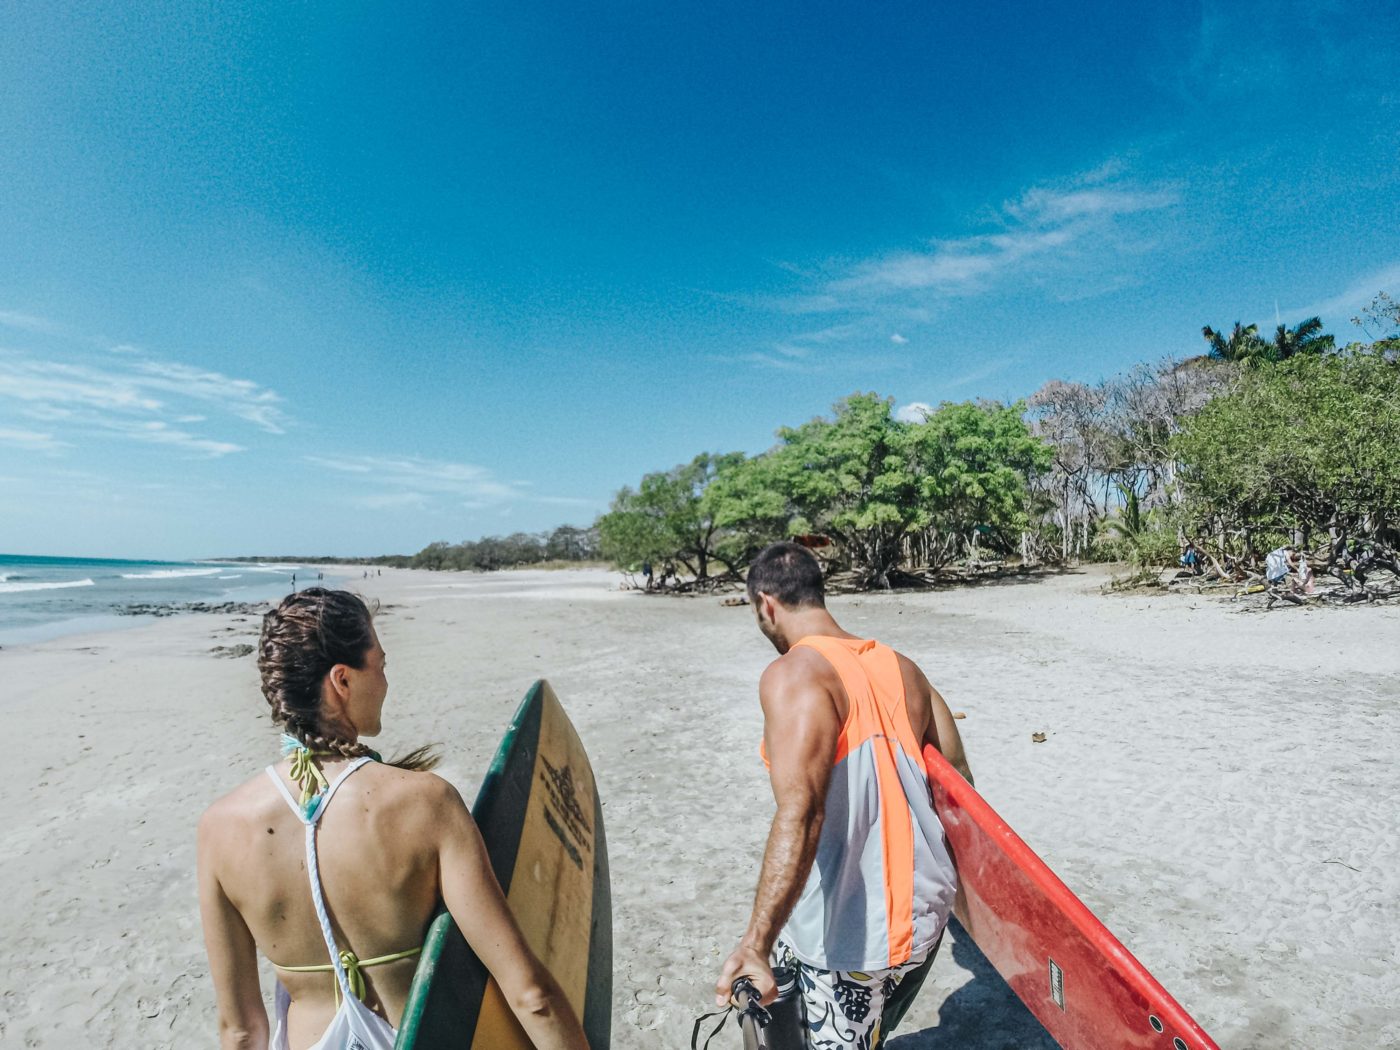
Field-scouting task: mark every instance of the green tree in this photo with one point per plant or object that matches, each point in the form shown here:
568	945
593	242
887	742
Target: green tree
1306	337
666	518
749	506
972	465
851	478
1310	444
571	543
1242	344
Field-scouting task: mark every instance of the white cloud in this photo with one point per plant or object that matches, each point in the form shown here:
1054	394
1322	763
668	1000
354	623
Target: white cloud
1079	225
766	360
419	476
391	500
239	397
566	501
31	440
914	412
791	351
1348	303
125	392
157	432
898	340
29	323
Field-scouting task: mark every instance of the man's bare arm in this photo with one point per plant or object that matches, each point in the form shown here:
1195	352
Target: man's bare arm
942	730
800	731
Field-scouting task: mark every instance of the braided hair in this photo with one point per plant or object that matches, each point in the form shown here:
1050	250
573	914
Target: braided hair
302	639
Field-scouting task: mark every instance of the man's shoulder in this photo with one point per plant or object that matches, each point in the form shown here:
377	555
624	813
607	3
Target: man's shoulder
798	665
913	674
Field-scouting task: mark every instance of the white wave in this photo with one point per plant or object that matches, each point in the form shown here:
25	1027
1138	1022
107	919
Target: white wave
168	574
15	588
233	577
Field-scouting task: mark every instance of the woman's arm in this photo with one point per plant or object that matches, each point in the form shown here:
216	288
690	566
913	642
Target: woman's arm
474	897
233	956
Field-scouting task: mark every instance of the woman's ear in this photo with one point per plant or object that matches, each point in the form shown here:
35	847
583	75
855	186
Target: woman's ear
338	681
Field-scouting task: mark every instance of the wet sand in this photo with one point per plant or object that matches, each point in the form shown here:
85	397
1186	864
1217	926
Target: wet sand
1217	785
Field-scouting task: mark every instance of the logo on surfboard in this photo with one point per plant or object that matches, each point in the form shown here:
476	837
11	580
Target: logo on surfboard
563	813
1057	984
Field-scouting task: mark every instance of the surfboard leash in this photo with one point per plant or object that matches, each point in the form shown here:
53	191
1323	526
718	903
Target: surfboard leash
742	987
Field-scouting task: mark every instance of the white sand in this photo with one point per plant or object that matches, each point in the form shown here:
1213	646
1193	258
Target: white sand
1218	786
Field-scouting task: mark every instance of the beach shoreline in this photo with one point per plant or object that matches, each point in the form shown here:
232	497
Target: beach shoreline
1208	785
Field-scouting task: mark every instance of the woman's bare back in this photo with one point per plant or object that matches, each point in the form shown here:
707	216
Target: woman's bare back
379	871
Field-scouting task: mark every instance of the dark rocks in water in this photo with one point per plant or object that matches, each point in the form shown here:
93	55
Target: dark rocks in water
231	652
171	608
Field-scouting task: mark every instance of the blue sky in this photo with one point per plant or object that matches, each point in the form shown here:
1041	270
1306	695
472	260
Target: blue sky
350	278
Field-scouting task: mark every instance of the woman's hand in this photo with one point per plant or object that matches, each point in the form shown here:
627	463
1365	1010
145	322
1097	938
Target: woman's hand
474	897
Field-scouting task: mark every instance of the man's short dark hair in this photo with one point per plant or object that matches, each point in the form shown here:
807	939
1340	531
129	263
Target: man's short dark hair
790	573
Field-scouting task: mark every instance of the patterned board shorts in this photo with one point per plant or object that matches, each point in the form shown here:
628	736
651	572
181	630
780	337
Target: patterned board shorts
844	1008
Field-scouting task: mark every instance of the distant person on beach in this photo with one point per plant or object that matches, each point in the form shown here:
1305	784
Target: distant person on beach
1191	558
646	573
340	896
1278	563
857	905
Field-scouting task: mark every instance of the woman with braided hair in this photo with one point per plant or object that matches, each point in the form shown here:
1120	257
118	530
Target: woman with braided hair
397	841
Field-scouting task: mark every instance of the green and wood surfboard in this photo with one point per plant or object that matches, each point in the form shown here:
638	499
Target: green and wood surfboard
542	822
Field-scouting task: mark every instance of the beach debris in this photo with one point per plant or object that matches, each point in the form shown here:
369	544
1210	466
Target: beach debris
959	714
1037	738
171	608
733	602
232	652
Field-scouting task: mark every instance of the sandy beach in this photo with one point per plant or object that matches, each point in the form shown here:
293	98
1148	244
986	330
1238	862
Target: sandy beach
1218	785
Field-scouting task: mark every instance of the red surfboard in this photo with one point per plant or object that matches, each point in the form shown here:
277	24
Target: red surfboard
1088	990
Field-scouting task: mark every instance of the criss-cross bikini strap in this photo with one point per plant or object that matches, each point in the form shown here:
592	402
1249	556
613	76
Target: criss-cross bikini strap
324	798
271	771
321	800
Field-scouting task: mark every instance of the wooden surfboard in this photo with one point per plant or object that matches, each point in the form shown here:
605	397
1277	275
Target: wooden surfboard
542	822
1088	990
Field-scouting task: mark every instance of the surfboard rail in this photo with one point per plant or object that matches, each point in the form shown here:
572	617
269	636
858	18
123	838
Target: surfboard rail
541	819
1083	985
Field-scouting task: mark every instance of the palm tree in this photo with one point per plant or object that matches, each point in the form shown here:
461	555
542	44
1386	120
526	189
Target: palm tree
1303	338
1242	344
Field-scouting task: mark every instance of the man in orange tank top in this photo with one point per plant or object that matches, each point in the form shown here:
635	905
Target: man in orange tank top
857	883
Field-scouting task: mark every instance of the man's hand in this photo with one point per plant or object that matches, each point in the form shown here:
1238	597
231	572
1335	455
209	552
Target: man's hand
745	962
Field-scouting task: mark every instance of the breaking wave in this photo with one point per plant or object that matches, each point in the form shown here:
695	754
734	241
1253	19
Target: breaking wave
168	574
15	588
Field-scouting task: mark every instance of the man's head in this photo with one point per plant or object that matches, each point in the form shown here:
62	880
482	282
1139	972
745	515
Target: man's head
785	581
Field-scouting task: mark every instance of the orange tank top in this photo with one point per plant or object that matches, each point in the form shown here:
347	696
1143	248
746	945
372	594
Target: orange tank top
882	885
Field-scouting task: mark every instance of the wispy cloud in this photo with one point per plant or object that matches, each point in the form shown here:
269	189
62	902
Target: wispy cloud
1077	225
405	480
1069	240
1358	294
31	440
30	323
241	398
1043	224
84	387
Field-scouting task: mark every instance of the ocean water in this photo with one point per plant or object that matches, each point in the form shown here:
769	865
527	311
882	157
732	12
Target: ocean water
46	597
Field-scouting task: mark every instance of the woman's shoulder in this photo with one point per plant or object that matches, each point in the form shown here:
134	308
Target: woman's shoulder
409	786
246	803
